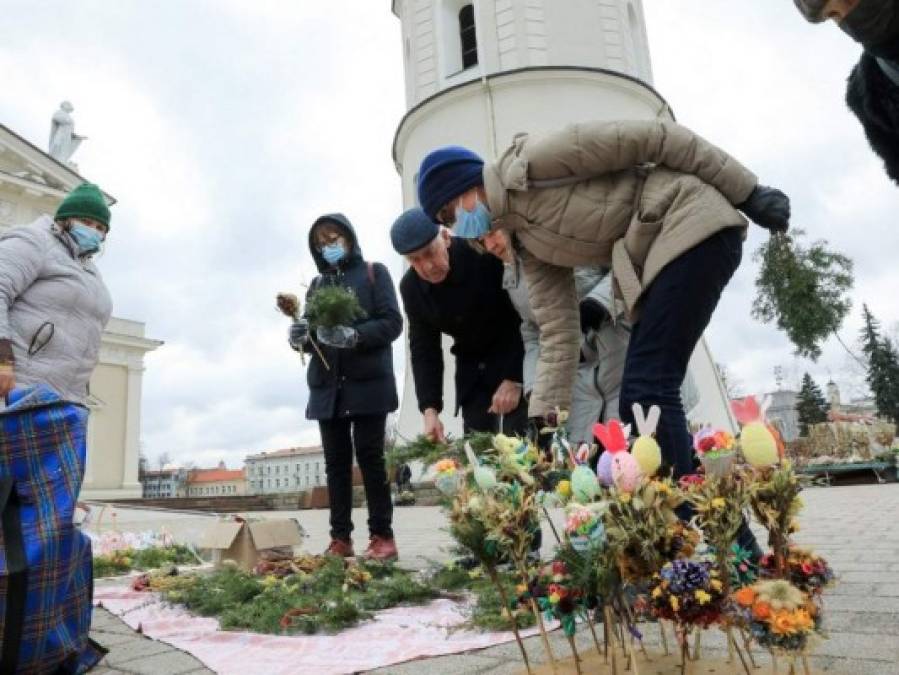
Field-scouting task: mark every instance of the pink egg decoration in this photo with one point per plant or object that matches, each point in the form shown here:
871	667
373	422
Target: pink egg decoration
626	471
604	469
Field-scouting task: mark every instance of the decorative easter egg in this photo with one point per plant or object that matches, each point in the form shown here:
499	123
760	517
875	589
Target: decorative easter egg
648	454
448	483
584	486
758	445
626	471
604	469
505	443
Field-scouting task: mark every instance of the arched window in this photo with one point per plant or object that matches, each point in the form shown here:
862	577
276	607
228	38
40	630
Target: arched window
468	37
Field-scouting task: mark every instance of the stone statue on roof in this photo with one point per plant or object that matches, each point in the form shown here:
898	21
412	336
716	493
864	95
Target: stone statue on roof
63	139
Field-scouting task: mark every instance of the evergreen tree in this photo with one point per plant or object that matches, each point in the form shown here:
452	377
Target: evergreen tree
883	367
810	404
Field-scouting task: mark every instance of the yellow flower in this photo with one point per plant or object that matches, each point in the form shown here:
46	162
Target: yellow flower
564	488
702	597
624	497
660	487
715	584
803	620
476	573
520	589
554	598
719	503
675	603
657	592
782	623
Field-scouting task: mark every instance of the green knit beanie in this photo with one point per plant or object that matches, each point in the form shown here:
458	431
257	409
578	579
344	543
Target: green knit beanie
85	201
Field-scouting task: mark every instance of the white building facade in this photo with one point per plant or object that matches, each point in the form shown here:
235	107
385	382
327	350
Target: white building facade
33	183
479	72
283	471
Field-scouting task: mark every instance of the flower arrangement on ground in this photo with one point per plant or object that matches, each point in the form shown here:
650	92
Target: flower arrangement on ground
778	615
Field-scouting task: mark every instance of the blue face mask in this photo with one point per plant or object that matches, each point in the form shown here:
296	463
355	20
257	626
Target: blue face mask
87	238
333	253
472	224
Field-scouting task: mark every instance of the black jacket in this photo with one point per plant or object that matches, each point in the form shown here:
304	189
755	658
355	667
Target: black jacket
874	99
471	306
360	380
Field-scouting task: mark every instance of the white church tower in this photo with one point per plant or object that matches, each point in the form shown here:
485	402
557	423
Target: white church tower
479	72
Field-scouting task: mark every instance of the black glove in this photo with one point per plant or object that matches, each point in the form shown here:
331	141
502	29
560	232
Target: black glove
593	315
767	207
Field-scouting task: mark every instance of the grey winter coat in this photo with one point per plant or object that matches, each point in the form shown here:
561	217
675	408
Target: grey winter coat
53	308
598	382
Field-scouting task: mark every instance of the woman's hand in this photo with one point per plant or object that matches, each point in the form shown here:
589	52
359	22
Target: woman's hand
433	427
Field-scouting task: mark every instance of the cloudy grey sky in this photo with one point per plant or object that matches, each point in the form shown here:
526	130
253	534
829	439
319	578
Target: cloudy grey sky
224	127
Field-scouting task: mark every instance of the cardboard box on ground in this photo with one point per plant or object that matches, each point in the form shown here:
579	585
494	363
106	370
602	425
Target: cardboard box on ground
247	542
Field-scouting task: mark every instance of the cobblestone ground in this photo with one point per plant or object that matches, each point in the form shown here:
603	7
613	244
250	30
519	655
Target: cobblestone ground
856	528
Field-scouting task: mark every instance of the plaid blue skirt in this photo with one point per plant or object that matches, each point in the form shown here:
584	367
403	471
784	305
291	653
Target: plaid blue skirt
46	574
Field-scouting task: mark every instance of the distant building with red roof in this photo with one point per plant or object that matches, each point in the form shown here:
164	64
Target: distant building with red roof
217	482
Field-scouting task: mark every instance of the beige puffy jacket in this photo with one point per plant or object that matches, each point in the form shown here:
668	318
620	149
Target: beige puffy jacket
632	194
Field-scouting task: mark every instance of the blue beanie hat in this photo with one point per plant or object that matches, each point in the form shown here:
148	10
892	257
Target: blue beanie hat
412	230
446	173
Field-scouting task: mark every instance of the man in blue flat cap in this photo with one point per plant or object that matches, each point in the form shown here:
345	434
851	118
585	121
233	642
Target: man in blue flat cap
452	289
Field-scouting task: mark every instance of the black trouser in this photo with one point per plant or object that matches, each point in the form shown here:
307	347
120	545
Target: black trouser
674	311
339	437
476	418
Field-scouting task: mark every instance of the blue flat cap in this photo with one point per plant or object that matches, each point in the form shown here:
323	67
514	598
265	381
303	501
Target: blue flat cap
446	173
412	230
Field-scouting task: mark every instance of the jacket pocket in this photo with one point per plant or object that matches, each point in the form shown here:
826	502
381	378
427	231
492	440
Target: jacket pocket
639	237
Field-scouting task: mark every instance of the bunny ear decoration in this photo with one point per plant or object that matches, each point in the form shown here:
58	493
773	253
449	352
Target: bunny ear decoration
766	403
472	458
583	453
611	435
646	426
746	410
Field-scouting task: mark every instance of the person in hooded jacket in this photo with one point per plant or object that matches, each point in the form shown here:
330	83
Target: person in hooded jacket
353	392
872	91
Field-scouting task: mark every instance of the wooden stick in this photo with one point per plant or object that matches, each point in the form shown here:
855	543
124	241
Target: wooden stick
551	525
546	645
732	645
609	622
664	637
319	352
748	647
683	654
605	634
593	632
577	658
505	600
805	668
696	647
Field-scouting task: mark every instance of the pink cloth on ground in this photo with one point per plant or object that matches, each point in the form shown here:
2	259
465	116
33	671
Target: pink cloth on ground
393	636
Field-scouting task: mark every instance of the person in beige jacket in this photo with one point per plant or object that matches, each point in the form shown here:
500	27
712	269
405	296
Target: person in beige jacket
649	198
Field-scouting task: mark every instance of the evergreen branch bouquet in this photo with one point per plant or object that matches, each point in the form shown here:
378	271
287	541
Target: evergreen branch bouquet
330	306
778	615
126	560
421	449
804	290
556	595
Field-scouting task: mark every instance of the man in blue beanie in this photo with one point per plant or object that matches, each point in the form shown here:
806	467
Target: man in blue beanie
451	289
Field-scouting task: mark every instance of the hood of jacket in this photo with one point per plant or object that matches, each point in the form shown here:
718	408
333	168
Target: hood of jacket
344	224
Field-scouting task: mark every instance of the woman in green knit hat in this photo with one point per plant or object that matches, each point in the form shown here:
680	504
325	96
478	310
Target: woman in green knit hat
53	308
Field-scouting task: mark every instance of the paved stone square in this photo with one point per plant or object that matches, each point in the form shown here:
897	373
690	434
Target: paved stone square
856	528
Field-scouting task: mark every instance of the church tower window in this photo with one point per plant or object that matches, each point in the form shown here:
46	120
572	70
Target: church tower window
468	37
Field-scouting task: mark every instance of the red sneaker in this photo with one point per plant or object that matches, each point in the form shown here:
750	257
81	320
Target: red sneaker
340	548
381	549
